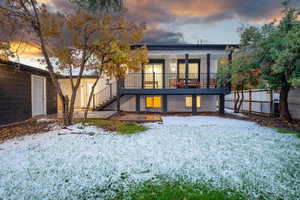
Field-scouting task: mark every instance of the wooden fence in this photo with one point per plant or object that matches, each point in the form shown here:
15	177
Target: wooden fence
255	101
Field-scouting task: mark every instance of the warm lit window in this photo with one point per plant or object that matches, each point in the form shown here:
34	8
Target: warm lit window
153	102
189	102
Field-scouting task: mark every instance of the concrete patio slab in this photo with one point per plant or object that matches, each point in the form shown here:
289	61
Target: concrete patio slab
139	118
91	115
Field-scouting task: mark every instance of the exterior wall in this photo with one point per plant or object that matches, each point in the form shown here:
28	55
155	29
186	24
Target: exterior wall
15	94
128	104
294	103
176	103
82	93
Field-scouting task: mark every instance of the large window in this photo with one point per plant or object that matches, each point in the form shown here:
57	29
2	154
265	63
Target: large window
193	70
189	101
153	76
153	102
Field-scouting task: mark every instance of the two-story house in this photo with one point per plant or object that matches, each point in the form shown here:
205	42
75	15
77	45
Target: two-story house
178	78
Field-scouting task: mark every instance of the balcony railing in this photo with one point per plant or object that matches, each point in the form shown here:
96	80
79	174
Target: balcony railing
169	80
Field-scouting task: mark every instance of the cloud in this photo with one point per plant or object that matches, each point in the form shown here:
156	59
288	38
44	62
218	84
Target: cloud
163	37
193	11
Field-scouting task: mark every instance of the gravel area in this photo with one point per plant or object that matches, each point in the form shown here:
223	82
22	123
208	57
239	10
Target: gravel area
64	164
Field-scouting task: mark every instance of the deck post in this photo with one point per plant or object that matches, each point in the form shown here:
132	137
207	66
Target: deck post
143	76
194	104
138	103
222	104
165	103
118	95
208	70
186	70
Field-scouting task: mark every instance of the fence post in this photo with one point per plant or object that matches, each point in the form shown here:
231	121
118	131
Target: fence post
250	101
271	103
118	95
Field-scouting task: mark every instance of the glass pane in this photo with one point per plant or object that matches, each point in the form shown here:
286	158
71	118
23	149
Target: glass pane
181	70
198	101
149	102
153	102
193	71
188	102
153	77
157	102
158	70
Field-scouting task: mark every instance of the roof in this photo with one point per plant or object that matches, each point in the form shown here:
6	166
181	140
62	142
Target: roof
24	67
174	47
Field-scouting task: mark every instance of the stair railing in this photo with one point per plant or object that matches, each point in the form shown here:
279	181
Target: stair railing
105	94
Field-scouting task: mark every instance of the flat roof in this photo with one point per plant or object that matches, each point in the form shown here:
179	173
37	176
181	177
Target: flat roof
174	47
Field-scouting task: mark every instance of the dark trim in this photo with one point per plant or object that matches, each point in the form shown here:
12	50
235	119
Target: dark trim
186	61
194	103
118	95
166	47
138	103
165	103
181	91
143	78
199	69
222	104
208	70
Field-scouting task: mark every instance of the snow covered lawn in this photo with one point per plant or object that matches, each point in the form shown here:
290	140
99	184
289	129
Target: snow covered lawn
223	152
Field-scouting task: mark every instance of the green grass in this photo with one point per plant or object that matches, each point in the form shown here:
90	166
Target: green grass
178	190
120	127
285	131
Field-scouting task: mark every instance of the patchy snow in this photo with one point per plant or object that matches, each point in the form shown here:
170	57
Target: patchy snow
229	111
63	164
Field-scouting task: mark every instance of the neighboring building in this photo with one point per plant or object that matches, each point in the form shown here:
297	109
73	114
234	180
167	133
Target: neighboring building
294	103
84	91
178	78
25	92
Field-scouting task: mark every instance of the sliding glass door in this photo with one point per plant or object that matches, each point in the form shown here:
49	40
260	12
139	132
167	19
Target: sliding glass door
193	70
153	76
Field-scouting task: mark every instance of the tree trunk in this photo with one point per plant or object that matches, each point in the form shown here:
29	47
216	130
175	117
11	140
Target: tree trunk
241	101
236	102
90	99
283	105
66	117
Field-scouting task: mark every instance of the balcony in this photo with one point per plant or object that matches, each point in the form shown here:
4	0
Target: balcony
171	83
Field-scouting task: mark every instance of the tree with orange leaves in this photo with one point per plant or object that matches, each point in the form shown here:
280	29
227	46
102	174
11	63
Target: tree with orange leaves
69	41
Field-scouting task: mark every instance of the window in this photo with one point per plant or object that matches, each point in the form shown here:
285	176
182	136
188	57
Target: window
189	101
153	102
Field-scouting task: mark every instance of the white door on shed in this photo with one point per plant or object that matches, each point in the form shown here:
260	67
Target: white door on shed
38	95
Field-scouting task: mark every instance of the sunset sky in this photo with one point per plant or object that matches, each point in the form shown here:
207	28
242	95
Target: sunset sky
191	21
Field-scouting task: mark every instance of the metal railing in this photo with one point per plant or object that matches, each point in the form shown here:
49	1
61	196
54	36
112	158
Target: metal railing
169	80
109	92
